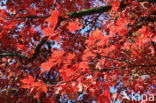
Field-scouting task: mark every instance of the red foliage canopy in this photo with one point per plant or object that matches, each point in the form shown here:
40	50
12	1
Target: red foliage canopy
57	51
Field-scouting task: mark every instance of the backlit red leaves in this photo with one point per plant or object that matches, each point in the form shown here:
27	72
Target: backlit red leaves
96	35
122	21
46	66
121	41
68	59
28	81
105	96
73	26
56	58
53	19
21	47
98	38
48	31
115	5
120	27
34	87
66	73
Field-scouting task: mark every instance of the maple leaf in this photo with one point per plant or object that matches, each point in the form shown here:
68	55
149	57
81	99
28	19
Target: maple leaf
28	80
57	54
46	66
69	58
121	30
21	47
53	60
41	87
66	73
121	41
121	21
27	83
48	31
143	30
83	65
97	34
34	87
73	26
115	5
53	19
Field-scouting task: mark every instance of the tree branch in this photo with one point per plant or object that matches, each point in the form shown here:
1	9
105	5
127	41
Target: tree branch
36	53
130	66
12	55
77	14
90	11
37	49
81	13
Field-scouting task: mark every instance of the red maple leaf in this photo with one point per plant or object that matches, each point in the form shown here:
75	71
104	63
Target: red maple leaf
27	82
53	19
53	60
115	5
73	26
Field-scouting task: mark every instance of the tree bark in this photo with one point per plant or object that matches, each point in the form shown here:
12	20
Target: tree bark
90	11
